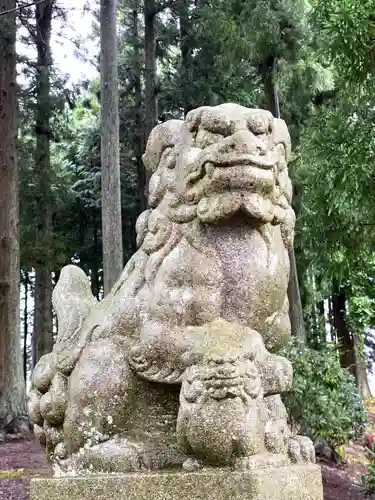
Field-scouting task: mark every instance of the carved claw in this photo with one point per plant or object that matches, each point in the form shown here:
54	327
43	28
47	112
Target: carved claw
301	450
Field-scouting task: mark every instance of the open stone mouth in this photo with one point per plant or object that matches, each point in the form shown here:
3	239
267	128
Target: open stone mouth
225	388
256	174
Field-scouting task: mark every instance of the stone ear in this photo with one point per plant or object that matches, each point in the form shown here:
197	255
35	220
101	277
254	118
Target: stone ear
194	117
281	136
168	134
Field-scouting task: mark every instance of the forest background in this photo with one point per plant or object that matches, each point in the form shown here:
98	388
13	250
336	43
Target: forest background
312	63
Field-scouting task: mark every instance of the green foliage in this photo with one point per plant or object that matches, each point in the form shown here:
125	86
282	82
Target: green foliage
334	163
273	27
324	401
228	44
11	473
368	480
347	31
361	307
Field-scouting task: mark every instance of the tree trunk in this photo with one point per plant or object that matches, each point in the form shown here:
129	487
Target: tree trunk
151	101
320	308
43	318
25	323
344	336
271	98
110	147
95	284
139	135
12	386
350	355
186	63
42	339
269	70
295	306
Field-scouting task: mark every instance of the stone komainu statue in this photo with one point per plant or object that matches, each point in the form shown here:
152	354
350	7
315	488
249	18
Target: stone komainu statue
178	364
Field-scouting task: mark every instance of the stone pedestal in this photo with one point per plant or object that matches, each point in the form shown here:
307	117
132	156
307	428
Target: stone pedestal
297	482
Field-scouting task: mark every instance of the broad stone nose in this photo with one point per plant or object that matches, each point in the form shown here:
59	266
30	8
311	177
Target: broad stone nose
243	142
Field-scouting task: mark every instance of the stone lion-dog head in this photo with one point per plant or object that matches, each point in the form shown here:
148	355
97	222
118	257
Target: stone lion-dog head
219	162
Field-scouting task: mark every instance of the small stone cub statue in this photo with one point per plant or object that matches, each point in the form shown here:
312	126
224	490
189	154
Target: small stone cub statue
230	409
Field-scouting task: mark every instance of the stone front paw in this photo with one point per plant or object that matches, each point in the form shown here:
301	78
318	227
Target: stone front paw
53	403
114	455
122	455
44	372
301	450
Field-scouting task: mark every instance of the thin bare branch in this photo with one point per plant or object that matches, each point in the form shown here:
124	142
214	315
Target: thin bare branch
20	7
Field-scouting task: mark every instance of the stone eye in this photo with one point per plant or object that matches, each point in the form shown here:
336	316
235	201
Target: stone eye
220	127
168	158
206	138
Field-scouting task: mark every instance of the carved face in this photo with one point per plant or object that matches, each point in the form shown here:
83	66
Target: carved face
224	379
222	160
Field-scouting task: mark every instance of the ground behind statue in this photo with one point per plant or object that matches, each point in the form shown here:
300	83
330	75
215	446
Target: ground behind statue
21	460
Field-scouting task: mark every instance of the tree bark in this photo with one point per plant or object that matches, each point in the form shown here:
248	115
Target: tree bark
12	385
42	342
139	135
42	338
344	336
95	283
186	53
295	305
350	355
269	70
320	308
25	323
151	100
271	98
110	147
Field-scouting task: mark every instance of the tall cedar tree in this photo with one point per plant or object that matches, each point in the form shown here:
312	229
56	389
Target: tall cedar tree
151	101
12	388
110	147
139	136
42	337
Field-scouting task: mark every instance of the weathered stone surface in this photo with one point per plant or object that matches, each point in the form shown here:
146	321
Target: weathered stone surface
286	483
178	365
